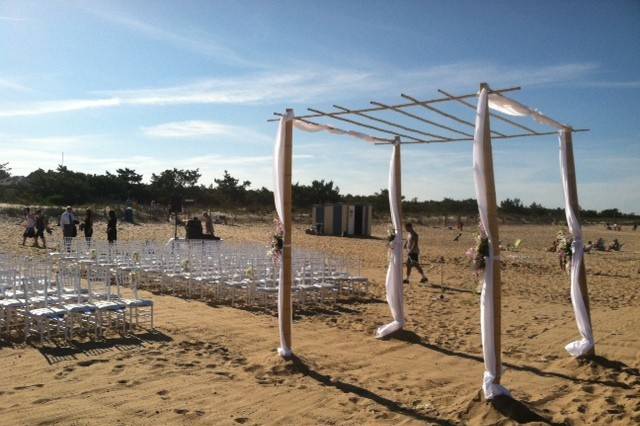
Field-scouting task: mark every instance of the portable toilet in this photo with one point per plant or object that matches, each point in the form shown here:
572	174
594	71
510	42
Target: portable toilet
317	217
351	213
340	219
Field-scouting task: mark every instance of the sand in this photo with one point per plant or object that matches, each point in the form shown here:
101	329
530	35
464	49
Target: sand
217	364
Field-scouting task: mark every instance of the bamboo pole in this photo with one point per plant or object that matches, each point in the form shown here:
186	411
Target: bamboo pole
492	214
397	170
287	313
573	201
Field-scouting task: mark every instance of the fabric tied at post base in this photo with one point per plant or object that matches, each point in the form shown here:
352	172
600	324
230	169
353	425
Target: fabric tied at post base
585	345
393	285
388	329
491	389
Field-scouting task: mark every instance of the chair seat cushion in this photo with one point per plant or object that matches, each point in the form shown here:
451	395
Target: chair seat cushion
137	302
47	312
109	305
79	307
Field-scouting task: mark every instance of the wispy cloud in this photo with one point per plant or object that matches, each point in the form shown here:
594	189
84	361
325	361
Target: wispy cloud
12	18
634	84
12	85
67	105
201	44
316	83
193	129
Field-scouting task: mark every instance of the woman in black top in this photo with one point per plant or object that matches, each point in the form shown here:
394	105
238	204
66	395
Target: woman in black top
112	231
88	225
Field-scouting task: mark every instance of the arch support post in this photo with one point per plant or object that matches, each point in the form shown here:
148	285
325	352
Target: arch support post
585	347
490	299
283	161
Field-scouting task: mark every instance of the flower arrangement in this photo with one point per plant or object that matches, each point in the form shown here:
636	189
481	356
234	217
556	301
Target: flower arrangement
277	241
249	272
478	254
563	248
391	236
186	265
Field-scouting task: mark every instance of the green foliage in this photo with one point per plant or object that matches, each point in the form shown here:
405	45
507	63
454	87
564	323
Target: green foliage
63	186
4	171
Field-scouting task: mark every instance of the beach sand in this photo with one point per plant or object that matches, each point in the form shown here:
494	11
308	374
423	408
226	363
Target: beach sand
217	364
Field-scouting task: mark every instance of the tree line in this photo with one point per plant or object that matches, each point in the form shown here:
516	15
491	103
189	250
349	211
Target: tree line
64	186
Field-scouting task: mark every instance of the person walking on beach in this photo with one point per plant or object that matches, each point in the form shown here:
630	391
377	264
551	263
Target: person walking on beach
68	222
42	225
112	227
87	225
413	253
29	227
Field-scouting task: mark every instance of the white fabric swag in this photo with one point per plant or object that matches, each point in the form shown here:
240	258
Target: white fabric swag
511	107
487	320
313	128
584	345
394	270
278	196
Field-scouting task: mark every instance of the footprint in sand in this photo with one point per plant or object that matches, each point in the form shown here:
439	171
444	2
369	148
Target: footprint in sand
118	368
181	411
90	362
37	385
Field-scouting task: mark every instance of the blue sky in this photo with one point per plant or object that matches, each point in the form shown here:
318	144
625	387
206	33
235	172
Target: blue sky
157	84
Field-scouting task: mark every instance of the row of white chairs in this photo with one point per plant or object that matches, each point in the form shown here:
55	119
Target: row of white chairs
219	271
55	299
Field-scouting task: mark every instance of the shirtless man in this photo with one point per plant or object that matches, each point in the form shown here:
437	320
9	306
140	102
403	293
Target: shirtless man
413	253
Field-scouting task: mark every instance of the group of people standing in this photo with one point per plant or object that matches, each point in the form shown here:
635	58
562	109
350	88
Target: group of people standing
36	225
194	231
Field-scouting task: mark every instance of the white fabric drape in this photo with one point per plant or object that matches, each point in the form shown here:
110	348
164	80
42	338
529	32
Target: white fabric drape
313	128
584	345
487	323
394	270
511	107
278	196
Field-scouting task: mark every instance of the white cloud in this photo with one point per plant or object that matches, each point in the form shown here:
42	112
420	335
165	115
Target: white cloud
12	85
12	18
198	129
315	83
49	107
201	44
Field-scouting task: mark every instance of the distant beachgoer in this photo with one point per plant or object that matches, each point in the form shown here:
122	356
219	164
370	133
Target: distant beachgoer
588	247
87	225
68	222
413	254
615	245
29	227
635	226
209	233
42	225
599	246
112	227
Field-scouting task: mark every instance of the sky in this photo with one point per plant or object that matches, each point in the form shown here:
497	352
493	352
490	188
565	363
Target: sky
152	85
